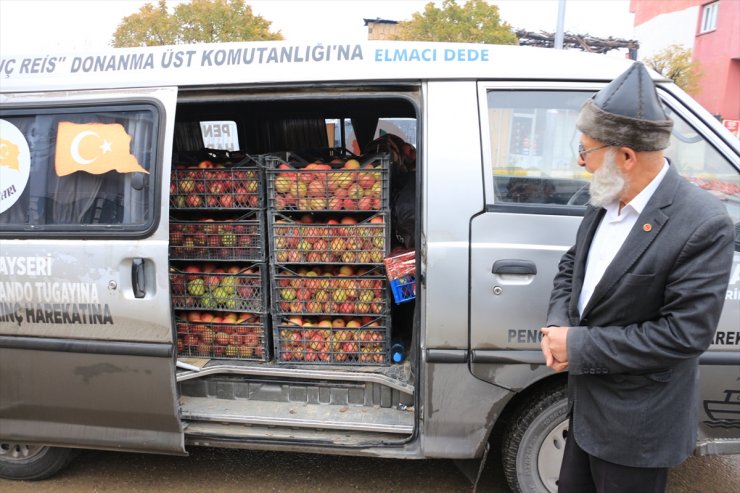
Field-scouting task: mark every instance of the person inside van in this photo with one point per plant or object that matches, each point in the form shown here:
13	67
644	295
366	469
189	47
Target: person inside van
403	219
402	185
636	300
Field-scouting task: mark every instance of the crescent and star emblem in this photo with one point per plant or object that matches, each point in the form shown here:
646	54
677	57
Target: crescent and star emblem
74	148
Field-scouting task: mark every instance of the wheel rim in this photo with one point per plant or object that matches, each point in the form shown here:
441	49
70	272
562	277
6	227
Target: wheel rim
550	456
20	452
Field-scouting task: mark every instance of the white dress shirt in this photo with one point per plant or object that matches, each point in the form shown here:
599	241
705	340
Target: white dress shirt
610	235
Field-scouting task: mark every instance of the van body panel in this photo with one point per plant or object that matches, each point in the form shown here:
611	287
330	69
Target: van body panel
89	400
515	250
96	367
521	299
275	62
456	425
453	194
97	275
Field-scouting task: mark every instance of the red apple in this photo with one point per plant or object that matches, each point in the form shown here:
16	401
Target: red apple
194	201
191	340
227	201
366	180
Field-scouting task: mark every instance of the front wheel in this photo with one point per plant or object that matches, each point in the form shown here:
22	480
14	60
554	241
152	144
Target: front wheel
534	443
23	461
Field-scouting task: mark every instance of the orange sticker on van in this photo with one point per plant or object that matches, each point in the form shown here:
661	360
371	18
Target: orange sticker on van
95	148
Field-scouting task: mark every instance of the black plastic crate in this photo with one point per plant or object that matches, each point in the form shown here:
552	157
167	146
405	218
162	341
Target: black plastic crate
241	239
241	336
238	187
240	288
343	240
330	290
296	186
310	340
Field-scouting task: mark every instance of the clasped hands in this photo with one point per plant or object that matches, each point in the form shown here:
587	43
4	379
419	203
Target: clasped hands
554	347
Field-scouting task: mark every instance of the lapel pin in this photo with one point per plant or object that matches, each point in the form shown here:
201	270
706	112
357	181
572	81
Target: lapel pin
647	227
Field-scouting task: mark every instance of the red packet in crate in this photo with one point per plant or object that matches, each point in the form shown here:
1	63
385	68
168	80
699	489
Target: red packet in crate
401	271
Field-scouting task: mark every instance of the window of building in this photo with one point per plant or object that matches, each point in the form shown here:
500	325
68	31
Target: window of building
709	17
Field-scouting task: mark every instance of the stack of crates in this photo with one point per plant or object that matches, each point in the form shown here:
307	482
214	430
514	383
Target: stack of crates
329	233
218	260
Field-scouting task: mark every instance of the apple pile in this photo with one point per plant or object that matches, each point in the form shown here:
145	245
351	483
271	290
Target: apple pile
343	240
216	240
221	335
214	186
721	188
332	340
208	287
338	186
341	290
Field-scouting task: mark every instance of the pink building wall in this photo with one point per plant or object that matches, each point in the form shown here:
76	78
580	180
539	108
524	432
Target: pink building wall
717	51
645	10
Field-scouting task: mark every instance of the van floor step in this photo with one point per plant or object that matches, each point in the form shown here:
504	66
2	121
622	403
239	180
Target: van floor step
205	433
398	377
298	415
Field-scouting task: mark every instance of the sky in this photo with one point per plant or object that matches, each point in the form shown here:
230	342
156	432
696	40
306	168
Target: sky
41	26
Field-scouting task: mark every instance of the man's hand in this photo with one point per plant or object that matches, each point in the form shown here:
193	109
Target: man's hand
555	348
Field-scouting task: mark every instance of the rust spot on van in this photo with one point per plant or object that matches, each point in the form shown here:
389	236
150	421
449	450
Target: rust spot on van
89	372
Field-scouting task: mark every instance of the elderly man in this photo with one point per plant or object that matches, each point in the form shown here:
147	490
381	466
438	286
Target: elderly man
637	298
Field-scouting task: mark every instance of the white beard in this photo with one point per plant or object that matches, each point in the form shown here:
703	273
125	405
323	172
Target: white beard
607	182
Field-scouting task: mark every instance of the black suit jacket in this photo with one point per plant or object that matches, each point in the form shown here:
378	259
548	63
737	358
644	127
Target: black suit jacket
633	355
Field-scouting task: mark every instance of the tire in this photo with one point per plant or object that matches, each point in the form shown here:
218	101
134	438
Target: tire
532	447
22	461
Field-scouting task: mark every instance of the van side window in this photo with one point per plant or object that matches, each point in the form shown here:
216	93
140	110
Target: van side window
84	170
341	135
341	132
534	145
701	164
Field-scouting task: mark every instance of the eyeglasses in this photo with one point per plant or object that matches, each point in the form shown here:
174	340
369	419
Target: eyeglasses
582	151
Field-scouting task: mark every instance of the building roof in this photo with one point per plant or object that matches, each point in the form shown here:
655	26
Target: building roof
378	20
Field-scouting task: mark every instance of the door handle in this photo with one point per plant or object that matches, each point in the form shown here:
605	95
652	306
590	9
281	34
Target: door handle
137	277
515	267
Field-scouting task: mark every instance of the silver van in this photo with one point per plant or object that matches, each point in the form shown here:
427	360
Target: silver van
340	249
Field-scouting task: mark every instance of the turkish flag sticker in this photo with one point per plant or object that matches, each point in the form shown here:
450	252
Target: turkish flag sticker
95	148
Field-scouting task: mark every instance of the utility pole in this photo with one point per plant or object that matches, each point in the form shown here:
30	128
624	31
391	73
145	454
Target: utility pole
561	22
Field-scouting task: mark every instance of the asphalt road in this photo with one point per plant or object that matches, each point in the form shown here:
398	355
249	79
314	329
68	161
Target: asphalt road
232	471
